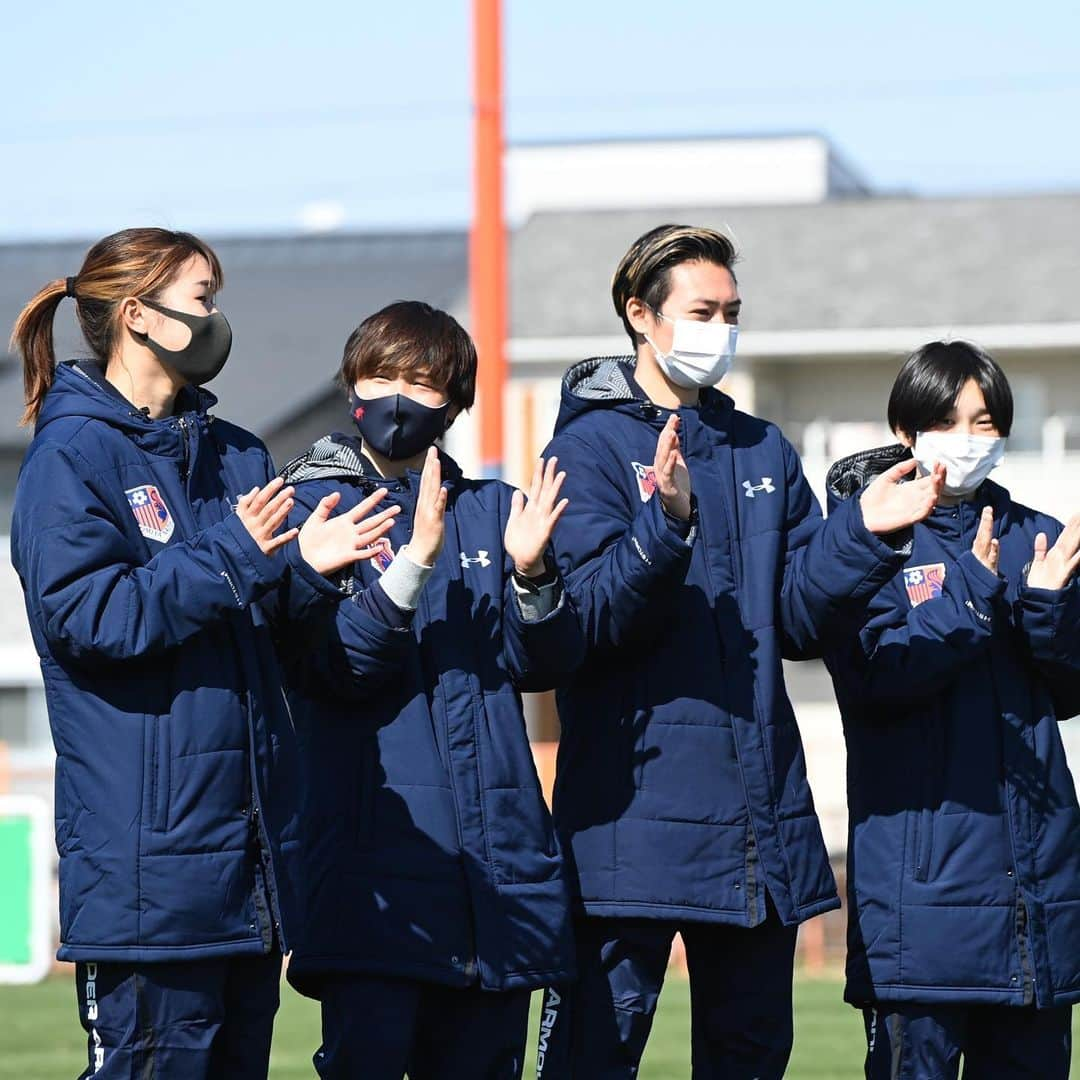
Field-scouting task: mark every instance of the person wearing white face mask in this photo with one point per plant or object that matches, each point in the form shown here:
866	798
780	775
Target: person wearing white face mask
964	852
697	558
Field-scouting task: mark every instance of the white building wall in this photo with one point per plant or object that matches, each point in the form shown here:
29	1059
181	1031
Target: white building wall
670	173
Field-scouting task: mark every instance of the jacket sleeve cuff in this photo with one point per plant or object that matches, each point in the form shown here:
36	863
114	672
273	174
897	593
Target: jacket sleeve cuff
890	549
312	583
534	607
985	583
268	570
404	580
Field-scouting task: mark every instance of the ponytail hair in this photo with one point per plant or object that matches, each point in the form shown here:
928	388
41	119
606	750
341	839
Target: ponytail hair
134	262
33	338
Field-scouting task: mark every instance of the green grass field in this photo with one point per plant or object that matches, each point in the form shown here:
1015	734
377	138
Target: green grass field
40	1038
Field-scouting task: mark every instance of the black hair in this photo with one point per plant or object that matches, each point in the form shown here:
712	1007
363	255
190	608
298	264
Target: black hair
931	379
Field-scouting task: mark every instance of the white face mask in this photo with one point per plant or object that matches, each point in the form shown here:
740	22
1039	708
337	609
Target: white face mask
701	352
968	459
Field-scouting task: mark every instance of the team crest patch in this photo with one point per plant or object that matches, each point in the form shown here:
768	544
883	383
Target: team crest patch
384	555
153	517
924	582
646	480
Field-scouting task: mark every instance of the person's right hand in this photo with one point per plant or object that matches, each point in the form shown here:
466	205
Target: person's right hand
262	512
889	503
330	543
429	517
672	475
985	548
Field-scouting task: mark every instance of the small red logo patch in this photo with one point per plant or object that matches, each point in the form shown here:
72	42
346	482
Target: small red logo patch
384	555
358	412
646	479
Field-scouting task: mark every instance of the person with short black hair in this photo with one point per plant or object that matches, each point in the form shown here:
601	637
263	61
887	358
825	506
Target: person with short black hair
696	554
964	830
432	882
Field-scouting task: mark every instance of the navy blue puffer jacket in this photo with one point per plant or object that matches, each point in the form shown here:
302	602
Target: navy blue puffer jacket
681	781
964	836
427	850
174	748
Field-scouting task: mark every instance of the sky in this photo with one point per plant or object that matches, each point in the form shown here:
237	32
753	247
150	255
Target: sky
245	118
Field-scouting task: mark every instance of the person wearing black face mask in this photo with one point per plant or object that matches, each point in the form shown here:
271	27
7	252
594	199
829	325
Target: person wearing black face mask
420	798
148	537
205	354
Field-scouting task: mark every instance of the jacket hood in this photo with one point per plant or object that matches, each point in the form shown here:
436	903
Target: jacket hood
851	474
340	457
607	382
81	391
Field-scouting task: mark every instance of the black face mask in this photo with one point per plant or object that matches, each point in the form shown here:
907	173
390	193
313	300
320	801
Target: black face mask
396	426
205	354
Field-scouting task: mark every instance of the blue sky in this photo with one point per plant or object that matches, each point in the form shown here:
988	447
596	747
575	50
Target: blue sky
244	118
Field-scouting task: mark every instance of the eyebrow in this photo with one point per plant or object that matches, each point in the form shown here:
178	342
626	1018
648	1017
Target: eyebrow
737	302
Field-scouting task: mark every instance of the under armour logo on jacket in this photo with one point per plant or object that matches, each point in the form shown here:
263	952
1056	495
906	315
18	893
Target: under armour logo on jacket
480	559
766	485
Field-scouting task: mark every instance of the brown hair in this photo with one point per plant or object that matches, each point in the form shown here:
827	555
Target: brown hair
645	270
134	262
412	338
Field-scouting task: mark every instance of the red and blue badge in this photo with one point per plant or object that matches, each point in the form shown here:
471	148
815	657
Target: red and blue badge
924	582
152	515
384	555
646	480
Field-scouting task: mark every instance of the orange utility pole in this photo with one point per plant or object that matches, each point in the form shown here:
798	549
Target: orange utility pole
487	239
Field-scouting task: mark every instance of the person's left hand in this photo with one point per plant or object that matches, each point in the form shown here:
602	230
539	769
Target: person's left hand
889	504
532	522
985	547
1053	569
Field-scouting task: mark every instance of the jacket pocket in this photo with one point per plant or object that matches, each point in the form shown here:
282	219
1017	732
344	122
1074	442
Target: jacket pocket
162	774
931	792
924	843
364	822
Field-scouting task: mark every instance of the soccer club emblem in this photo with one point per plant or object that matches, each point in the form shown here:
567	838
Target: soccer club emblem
152	515
646	480
384	555
924	582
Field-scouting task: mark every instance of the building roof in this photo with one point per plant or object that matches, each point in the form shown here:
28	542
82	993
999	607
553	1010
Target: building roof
291	301
841	264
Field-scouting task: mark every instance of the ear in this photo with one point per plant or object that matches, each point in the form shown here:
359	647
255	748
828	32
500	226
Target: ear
133	315
905	438
639	316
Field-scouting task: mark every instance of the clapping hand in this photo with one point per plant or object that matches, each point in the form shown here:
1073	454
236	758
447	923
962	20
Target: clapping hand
329	544
1054	569
263	511
669	468
429	527
531	522
889	503
986	548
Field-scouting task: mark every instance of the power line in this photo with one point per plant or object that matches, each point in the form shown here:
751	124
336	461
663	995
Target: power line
373	113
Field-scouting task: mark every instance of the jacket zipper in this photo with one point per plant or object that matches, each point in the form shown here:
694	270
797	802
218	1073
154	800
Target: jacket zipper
470	965
185	462
752	858
1027	971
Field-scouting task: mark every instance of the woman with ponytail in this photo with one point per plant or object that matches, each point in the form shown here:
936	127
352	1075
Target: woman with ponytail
159	583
